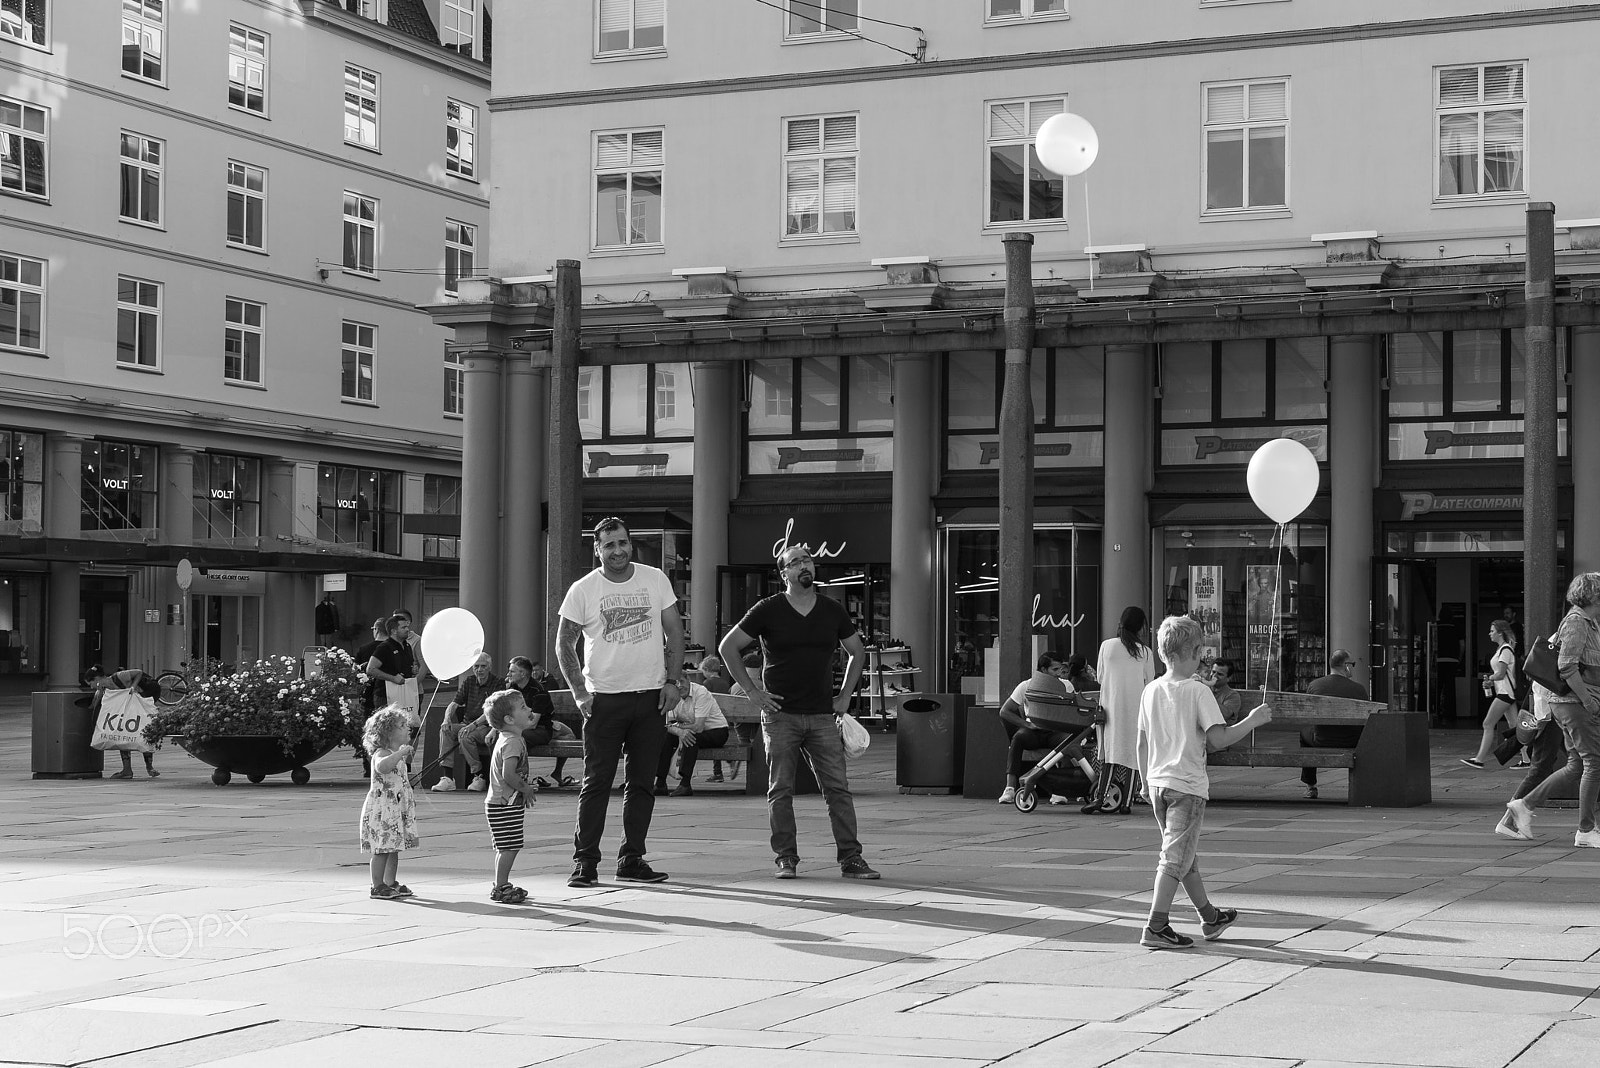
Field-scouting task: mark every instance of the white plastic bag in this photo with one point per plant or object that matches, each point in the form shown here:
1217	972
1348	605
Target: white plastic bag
120	724
856	738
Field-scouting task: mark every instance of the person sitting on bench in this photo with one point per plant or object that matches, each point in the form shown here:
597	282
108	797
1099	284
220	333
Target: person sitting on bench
1336	683
473	737
695	723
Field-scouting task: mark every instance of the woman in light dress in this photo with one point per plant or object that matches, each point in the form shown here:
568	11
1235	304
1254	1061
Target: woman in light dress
1125	666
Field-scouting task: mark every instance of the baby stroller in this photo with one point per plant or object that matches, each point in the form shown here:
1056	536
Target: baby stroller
1064	770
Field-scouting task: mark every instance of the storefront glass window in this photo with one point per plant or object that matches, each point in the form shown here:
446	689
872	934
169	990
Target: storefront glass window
1263	607
1475	371
1186	382
227	496
1416	375
629	395
819	415
970	388
441	495
119	486
21	481
21	623
1065	601
1244	377
871	395
771	397
1080	392
1068	393
359	506
636	420
1301	391
819	393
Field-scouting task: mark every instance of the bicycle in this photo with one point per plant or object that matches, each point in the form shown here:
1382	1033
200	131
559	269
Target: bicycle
176	684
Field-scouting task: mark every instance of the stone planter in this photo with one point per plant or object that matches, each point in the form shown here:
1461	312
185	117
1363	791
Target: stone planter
255	756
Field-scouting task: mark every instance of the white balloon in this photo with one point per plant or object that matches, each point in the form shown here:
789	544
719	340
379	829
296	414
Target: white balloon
1067	144
451	641
1283	478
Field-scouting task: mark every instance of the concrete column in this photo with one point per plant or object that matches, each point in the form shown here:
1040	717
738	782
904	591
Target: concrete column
1583	443
568	555
714	464
1016	465
177	494
480	490
63	610
1352	470
526	425
911	578
277	506
63	495
1542	601
1128	473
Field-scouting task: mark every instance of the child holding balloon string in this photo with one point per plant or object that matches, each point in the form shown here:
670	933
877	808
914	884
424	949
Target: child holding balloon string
389	814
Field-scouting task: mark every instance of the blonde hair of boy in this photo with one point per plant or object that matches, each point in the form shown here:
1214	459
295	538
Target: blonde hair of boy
1178	638
498	707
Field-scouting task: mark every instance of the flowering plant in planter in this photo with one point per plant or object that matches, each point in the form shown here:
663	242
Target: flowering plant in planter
270	699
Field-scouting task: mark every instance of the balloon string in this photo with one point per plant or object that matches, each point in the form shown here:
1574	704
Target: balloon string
1088	232
1273	628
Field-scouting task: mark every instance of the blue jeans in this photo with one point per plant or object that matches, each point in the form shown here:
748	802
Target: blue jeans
617	721
1581	729
787	736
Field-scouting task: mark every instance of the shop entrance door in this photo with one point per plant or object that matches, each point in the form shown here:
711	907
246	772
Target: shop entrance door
226	627
1434	643
103	622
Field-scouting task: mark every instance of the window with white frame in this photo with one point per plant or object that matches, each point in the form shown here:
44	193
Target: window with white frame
455	383
666	384
21	303
1246	145
27	21
367	9
360	232
819	175
138	322
458	26
247	205
141	179
1024	10
460	248
813	18
1482	130
143	37
247	69
358	352
628	168
1020	188
243	340
460	131
623	26
360	106
24	148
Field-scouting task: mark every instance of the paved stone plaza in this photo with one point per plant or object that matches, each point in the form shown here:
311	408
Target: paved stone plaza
171	922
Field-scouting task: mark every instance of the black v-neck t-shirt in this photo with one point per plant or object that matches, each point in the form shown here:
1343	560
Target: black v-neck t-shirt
798	650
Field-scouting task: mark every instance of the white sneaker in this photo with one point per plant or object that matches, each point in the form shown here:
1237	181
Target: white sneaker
1521	817
1587	838
1057	799
444	785
1008	795
1507	828
478	785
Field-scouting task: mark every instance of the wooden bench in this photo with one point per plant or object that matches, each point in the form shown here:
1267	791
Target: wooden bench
738	711
1388	768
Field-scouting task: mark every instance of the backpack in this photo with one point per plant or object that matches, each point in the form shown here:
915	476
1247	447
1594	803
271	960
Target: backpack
1521	685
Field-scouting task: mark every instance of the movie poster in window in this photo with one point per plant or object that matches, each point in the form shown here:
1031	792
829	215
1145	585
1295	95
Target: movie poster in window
1263	660
1205	606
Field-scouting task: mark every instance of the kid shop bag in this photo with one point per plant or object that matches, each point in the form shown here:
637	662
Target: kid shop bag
120	724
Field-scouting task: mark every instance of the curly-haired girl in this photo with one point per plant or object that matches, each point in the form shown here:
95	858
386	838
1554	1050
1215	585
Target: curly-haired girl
389	815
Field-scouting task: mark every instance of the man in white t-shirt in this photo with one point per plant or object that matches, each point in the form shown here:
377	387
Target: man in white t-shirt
626	615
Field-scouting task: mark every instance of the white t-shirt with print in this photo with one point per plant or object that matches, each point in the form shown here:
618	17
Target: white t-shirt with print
1173	719
621	621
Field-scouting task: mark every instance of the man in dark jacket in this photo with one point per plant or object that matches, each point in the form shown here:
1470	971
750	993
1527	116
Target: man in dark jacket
1336	683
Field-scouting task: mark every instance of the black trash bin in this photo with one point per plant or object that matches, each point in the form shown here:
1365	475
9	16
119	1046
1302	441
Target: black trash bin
61	733
931	743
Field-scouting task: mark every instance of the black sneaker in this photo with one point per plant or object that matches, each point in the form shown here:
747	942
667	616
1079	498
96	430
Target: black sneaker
637	871
785	868
1213	930
1166	938
856	868
583	875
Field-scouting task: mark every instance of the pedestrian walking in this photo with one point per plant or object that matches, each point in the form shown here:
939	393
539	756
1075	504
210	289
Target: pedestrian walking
1577	712
389	814
626	617
799	631
1501	686
1125	666
1178	721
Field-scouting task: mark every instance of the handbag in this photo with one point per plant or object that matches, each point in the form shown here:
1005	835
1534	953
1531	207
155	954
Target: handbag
120	723
1540	666
1508	747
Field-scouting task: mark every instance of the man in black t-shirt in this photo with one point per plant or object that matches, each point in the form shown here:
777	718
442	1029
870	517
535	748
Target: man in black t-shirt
799	631
392	661
1336	683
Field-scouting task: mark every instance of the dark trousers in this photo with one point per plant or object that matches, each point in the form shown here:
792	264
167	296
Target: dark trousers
715	738
1027	738
1546	752
1326	738
617	721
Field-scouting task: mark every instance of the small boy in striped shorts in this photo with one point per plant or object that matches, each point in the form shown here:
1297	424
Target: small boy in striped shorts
509	789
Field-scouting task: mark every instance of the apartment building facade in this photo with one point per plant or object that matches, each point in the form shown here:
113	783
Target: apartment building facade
216	224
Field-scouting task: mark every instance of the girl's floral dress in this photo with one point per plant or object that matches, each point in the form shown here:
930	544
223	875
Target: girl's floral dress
389	816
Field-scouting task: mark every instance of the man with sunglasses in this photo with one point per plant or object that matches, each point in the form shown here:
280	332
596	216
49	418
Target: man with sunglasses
628	678
799	630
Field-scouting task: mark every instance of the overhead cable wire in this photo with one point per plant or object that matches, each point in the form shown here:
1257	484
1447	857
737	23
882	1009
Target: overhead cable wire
822	21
